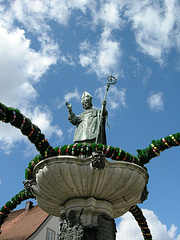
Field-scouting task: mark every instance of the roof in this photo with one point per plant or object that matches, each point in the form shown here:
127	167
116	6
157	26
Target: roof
21	224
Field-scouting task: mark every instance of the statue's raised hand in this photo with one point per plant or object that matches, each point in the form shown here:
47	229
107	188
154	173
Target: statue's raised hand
69	106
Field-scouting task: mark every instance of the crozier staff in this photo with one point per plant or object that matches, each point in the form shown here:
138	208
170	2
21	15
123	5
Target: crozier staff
90	125
111	80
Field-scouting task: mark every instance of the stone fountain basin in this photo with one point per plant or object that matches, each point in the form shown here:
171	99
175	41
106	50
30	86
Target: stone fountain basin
62	179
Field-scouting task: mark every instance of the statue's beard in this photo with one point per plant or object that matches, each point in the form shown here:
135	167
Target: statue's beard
86	105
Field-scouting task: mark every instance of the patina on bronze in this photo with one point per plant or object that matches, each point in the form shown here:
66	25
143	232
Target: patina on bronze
87	123
90	125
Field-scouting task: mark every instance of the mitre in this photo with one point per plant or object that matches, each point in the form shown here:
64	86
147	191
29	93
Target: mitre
86	96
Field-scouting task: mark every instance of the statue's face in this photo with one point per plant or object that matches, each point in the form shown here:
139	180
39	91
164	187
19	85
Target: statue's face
87	103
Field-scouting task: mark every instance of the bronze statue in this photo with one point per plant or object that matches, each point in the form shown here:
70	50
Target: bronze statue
88	129
90	125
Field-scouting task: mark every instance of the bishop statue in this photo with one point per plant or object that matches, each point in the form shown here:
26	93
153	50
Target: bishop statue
90	125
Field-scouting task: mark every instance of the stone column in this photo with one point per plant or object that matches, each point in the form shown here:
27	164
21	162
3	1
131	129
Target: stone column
87	219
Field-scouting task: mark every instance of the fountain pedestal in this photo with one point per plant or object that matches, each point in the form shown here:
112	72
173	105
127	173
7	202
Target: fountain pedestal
90	209
70	186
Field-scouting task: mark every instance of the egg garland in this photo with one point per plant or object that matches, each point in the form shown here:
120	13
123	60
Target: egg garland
18	120
12	204
141	220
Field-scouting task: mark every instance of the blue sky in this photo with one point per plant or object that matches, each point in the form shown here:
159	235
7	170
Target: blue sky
51	51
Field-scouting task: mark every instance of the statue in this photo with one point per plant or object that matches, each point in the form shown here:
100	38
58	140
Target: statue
90	125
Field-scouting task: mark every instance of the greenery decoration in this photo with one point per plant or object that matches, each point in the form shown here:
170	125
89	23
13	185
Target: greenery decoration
31	165
18	120
12	204
78	149
141	220
158	146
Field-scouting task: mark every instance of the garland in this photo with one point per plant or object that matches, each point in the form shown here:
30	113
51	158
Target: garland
12	204
18	120
141	220
31	165
158	146
78	149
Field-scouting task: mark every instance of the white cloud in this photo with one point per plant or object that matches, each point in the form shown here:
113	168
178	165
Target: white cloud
20	69
67	60
102	58
115	98
9	137
43	119
67	98
0	182
109	15
71	95
35	14
155	101
128	228
154	25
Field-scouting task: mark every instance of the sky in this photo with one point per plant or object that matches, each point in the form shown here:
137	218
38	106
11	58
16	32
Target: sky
51	51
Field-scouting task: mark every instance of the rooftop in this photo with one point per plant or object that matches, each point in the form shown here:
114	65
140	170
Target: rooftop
21	224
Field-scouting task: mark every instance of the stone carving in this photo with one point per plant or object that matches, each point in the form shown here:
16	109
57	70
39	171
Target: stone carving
64	179
98	160
71	227
28	185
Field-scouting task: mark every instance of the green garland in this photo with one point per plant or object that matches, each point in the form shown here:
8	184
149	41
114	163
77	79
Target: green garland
141	220
12	204
158	146
31	165
78	149
18	120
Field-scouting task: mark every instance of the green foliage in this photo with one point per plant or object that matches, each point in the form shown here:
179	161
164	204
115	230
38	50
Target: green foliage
18	120
78	149
11	205
158	146
28	174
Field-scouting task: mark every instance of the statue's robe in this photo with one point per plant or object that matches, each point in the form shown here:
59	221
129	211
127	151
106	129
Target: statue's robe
87	126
